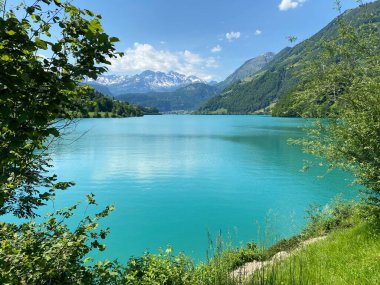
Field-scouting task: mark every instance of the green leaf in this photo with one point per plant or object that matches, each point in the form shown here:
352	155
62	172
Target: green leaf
88	259
114	39
10	32
56	47
40	44
5	57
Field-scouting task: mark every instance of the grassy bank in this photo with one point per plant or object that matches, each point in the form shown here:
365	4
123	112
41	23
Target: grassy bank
347	256
350	254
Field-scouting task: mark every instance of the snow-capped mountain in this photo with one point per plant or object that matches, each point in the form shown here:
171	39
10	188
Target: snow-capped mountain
147	81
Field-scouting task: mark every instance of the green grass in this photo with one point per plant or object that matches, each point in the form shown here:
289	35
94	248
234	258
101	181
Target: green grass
347	256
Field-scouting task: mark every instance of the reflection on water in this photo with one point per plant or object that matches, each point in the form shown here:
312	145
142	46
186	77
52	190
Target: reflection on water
172	178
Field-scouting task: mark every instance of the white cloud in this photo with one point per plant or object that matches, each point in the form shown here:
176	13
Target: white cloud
290	4
258	32
216	48
232	36
142	57
211	62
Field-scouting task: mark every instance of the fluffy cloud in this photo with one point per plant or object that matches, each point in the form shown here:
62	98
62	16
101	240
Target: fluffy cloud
290	4
258	32
232	36
217	48
144	56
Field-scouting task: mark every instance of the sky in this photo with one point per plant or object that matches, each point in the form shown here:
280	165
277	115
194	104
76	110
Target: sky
206	38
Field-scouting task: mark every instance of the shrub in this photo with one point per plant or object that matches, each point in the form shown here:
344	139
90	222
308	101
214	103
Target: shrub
51	253
159	269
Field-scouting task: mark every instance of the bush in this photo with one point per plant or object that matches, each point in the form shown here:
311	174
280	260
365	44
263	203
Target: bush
339	214
159	269
51	253
283	245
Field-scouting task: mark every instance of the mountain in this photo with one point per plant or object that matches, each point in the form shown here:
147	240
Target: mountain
212	82
186	98
103	89
279	77
147	81
249	68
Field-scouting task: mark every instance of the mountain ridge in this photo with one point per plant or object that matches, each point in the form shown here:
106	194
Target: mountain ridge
187	98
146	81
279	77
248	68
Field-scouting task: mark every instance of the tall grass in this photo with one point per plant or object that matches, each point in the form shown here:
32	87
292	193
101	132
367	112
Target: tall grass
349	255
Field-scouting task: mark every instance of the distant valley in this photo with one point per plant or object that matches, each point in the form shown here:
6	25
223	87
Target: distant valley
172	91
261	84
188	98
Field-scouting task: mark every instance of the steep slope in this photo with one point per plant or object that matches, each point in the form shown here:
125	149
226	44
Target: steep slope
279	76
249	68
101	89
183	99
147	81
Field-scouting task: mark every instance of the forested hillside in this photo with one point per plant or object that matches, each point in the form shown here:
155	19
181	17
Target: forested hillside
96	105
185	99
283	74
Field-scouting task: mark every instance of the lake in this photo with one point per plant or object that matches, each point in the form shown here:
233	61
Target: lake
174	178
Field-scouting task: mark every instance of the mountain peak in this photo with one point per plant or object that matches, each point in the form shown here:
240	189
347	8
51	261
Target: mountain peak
268	54
146	81
171	72
248	68
147	73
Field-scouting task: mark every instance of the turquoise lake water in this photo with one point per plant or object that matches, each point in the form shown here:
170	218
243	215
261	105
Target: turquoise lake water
173	179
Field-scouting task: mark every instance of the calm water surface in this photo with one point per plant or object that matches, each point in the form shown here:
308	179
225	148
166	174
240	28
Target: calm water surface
174	178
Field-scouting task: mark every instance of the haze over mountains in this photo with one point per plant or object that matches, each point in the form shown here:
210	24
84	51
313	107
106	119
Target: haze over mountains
188	98
258	83
171	91
147	81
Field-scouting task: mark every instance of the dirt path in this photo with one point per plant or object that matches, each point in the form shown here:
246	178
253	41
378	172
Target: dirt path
249	268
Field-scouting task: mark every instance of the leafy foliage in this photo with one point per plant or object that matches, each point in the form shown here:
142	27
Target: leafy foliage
96	104
36	90
161	268
346	88
51	253
337	215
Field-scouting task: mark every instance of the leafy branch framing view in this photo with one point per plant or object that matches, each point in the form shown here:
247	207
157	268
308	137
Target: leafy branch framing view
41	91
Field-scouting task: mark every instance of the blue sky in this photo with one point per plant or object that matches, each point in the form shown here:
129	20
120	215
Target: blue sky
207	38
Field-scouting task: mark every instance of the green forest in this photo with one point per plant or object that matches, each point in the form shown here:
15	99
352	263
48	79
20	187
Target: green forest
97	105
